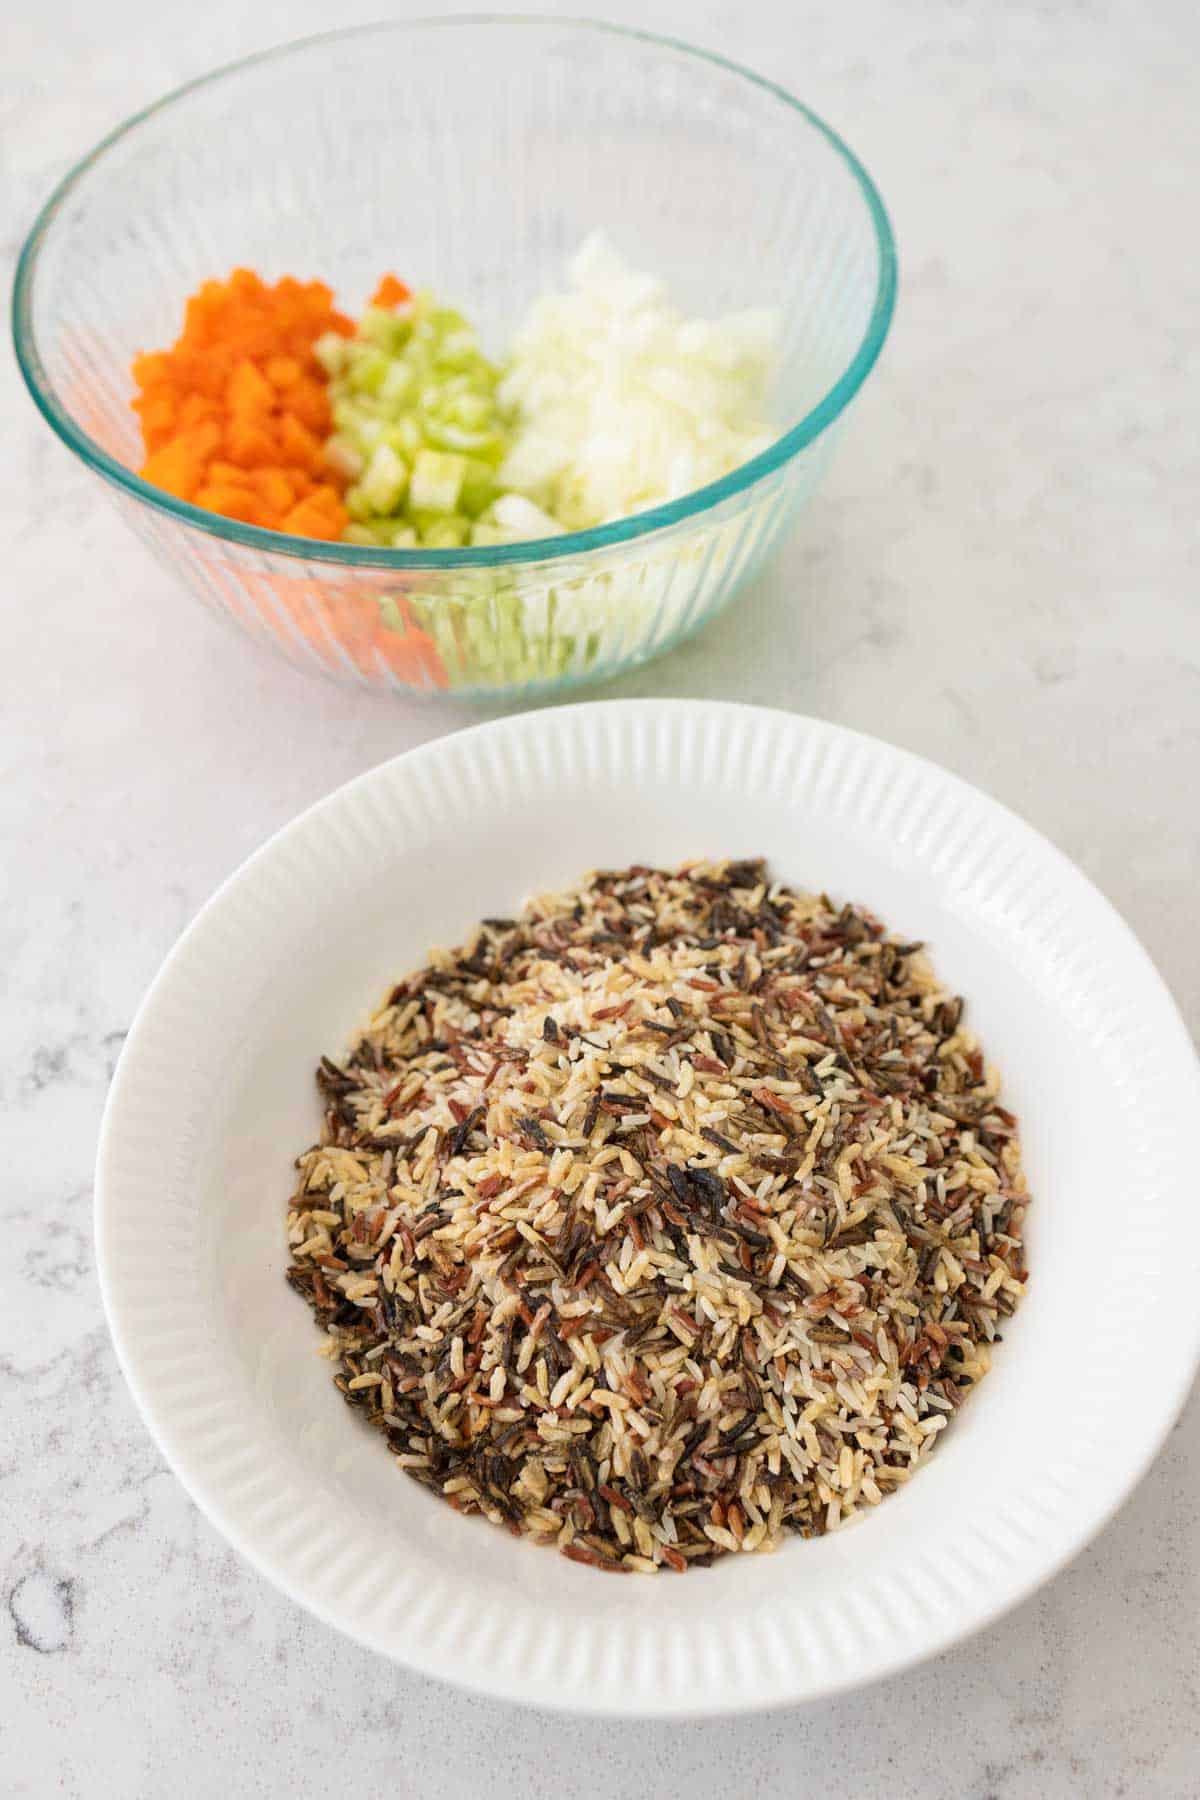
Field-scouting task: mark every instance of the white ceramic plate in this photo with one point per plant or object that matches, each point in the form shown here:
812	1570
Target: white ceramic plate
214	1096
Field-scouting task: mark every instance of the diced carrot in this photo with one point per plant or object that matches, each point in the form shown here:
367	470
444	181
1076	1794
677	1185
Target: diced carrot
276	488
159	415
234	414
232	502
329	614
325	496
308	401
249	392
179	466
198	409
228	472
282	371
174	469
299	444
152	367
391	292
251	445
310	519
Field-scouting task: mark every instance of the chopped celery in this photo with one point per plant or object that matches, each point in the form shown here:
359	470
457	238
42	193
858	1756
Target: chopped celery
370	432
330	351
369	370
447	533
424	522
397	384
388	329
344	457
417	427
386	478
404	436
346	415
501	628
478	488
436	483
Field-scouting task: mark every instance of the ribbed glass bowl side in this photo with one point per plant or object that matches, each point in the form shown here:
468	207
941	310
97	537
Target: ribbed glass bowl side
716	181
528	629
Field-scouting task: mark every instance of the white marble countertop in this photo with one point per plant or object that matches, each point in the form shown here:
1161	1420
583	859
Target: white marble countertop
1000	573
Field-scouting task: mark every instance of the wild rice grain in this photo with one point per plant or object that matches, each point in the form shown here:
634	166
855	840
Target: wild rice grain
675	1214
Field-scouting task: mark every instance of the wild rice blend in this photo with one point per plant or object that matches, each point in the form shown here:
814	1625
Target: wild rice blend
677	1213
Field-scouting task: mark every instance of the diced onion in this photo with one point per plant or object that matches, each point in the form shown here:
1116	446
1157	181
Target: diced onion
621	403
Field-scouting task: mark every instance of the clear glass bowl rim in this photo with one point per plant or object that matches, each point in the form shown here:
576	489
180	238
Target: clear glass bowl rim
569	544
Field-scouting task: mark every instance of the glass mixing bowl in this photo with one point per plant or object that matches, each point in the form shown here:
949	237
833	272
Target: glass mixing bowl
473	155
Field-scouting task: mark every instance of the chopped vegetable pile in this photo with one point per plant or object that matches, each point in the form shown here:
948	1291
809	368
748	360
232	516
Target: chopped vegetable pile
275	409
418	428
621	403
399	432
235	415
